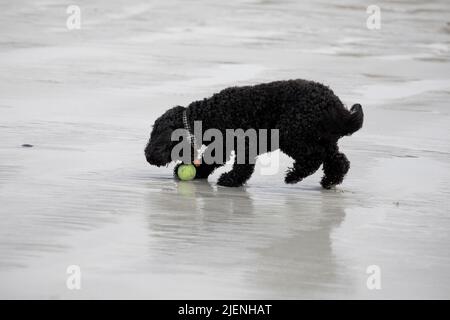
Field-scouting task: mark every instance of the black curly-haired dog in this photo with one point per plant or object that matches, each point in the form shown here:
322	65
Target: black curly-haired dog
309	116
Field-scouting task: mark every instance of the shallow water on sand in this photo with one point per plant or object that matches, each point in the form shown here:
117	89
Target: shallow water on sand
84	195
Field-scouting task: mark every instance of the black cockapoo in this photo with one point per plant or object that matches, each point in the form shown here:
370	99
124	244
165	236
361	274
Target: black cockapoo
309	116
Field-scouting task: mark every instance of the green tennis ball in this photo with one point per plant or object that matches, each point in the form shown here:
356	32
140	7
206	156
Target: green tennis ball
186	172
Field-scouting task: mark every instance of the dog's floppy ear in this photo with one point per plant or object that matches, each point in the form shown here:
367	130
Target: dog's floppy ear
159	148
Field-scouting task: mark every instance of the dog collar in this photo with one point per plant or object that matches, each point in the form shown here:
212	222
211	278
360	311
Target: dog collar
197	150
190	136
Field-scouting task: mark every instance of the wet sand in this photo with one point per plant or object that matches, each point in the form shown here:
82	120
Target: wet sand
84	195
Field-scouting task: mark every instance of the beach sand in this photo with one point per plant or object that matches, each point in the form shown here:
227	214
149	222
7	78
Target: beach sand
84	195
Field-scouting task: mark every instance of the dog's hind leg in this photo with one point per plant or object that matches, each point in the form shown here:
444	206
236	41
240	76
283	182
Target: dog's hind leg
335	167
304	165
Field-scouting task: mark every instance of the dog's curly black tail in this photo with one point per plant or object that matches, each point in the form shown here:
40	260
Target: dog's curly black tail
354	120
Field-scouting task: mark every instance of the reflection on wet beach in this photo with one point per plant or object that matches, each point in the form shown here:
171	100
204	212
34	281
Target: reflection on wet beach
84	195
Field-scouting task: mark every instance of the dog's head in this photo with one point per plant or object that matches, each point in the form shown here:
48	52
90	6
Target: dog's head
159	148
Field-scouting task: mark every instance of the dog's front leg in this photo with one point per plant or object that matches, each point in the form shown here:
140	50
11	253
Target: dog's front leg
242	169
237	176
204	170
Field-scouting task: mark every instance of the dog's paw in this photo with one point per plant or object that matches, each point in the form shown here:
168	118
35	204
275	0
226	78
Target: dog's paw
203	171
291	178
327	184
226	181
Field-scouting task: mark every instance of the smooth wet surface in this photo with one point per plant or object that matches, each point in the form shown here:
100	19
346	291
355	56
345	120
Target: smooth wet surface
76	109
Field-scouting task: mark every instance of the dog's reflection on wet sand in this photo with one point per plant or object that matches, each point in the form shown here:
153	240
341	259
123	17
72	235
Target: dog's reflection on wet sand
273	247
